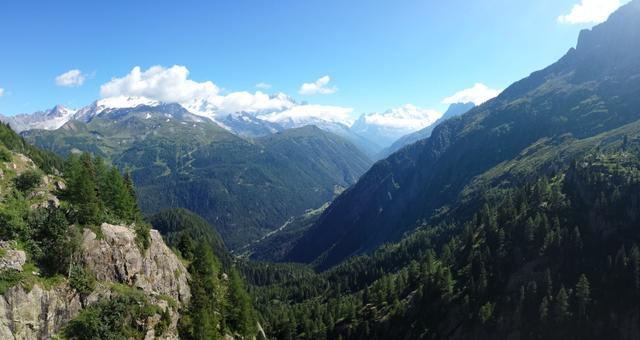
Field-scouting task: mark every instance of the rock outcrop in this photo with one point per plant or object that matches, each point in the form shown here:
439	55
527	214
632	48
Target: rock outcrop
39	312
36	313
115	257
10	257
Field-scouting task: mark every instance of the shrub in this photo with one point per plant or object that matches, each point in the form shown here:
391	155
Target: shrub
51	241
13	212
143	235
8	279
164	323
82	280
5	154
28	180
122	317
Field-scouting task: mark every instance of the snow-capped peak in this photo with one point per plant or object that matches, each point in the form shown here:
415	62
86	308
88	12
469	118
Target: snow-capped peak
120	102
47	120
61	110
112	103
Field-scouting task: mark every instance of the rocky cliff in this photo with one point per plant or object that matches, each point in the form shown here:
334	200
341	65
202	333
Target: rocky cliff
38	310
115	257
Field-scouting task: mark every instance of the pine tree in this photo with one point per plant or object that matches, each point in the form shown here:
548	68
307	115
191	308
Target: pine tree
561	306
101	172
120	201
543	310
241	314
583	291
205	304
80	178
128	180
186	246
548	283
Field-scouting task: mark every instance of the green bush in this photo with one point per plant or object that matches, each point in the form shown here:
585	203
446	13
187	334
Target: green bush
164	323
51	241
122	317
82	280
28	180
5	154
8	279
13	212
143	235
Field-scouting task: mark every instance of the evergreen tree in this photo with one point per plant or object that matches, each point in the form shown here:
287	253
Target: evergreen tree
80	178
561	306
583	292
241	314
128	181
101	173
203	320
121	202
186	246
55	239
543	310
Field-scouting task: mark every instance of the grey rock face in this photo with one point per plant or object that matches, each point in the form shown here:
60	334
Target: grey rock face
39	313
11	258
115	257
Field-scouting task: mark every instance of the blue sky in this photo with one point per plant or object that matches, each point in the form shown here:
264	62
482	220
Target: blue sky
378	54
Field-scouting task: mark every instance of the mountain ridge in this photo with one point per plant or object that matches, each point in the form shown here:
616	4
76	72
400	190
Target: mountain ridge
412	184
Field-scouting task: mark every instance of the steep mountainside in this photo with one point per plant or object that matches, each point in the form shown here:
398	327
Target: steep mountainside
568	106
244	187
556	258
453	111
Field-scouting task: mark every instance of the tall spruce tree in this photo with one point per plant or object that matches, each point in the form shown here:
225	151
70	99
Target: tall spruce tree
81	188
203	321
241	314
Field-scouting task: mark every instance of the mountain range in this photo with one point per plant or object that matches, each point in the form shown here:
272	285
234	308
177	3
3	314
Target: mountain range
244	187
371	133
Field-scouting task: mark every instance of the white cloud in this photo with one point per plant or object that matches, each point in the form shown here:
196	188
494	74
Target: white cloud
1	92
164	84
307	114
590	11
317	87
258	102
263	86
71	78
407	117
477	94
172	85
